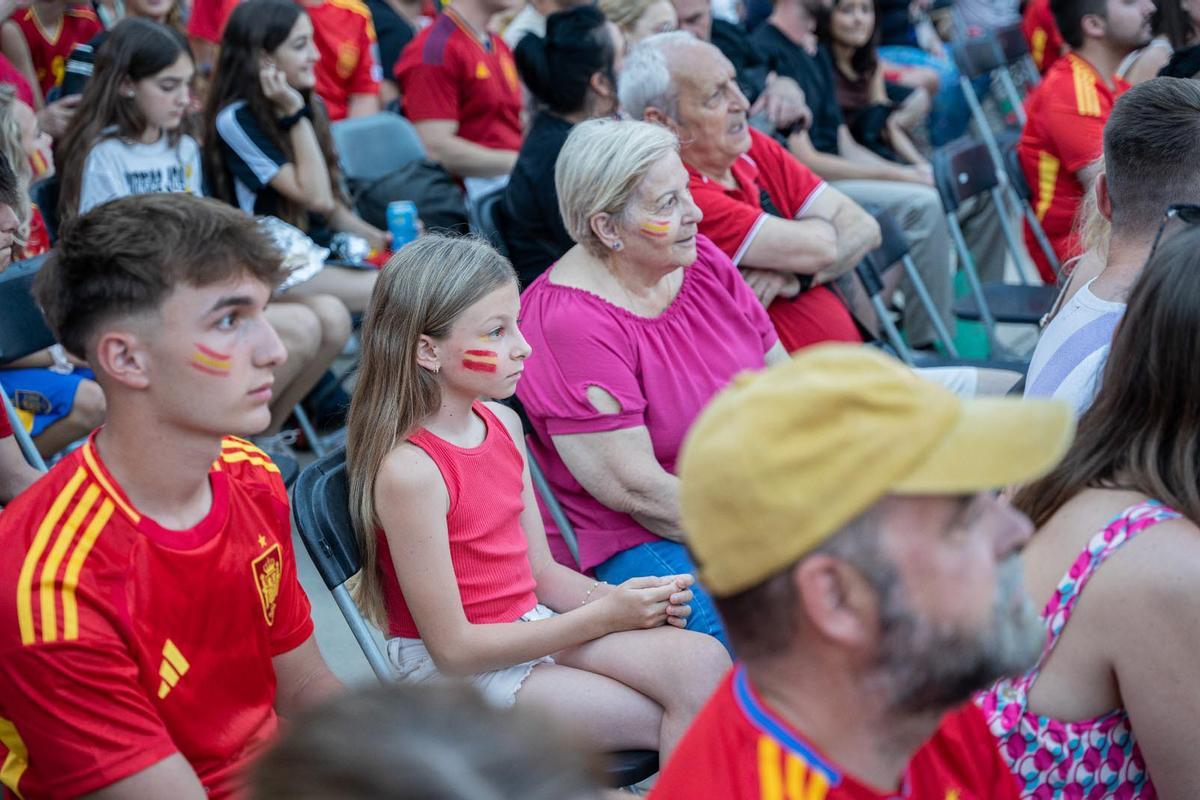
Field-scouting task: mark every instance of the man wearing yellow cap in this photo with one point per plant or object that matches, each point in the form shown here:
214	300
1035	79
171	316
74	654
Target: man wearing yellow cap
839	510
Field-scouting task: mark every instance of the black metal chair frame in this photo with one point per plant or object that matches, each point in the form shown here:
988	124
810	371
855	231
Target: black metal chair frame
22	331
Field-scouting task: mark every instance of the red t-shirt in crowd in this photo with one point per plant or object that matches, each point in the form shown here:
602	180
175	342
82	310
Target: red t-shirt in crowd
738	748
446	73
1065	133
10	74
5	426
208	18
122	642
49	52
732	218
345	37
1041	31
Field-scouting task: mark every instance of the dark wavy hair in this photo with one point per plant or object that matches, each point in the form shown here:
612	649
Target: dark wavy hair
865	59
254	28
136	49
558	68
1142	433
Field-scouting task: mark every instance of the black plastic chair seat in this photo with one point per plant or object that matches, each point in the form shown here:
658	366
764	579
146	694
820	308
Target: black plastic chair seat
1025	305
627	767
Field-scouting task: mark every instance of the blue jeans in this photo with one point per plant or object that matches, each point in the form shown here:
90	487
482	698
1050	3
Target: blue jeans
951	115
666	558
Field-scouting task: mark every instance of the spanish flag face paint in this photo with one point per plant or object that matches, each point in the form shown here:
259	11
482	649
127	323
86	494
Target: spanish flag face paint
480	360
210	362
656	228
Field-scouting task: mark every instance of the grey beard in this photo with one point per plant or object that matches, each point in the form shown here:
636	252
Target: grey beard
931	668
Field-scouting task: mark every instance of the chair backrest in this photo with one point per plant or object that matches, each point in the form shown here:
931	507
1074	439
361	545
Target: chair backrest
962	170
22	328
1012	43
485	214
373	146
1016	175
321	506
979	55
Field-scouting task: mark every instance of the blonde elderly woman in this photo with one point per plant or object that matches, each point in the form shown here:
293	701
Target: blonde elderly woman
639	19
633	330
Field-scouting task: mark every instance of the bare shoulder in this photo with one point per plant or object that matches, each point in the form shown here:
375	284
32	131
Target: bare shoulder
408	472
1158	574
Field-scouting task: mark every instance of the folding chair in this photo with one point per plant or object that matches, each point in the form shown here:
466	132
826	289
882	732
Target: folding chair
1022	195
1015	48
373	146
964	170
22	331
980	56
484	219
321	508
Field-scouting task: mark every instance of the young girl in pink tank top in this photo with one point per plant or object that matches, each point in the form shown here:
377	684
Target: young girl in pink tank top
456	569
1110	710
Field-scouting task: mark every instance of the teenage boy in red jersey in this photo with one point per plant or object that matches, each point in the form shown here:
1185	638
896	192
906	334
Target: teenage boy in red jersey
154	627
348	73
1062	142
837	506
50	29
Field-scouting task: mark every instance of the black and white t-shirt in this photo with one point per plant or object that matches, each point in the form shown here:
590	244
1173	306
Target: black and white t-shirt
116	168
251	161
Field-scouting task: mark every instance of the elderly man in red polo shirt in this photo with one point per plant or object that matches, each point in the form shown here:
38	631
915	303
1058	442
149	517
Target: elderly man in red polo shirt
790	233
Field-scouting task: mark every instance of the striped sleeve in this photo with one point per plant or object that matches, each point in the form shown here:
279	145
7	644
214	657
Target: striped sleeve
249	153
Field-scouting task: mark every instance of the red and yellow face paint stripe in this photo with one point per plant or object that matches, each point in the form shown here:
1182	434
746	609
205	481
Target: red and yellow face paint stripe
481	360
211	362
656	228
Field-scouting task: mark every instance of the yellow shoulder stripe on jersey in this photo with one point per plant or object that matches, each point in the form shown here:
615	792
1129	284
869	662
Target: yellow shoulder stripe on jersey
1038	46
786	776
75	567
237	456
1047	181
1087	100
34	554
66	535
357	6
238	444
98	474
17	759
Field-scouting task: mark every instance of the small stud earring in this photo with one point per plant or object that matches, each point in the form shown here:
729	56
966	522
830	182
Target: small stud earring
617	245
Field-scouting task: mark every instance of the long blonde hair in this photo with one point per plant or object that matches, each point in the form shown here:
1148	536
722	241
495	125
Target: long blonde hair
422	290
11	148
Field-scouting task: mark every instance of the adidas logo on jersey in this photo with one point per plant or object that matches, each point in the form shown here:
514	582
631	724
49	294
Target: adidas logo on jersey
173	667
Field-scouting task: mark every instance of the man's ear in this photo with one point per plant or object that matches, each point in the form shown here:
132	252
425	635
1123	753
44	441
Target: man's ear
1103	198
659	117
1094	26
121	356
839	603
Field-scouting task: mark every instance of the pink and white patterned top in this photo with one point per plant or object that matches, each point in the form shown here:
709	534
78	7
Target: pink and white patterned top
1092	759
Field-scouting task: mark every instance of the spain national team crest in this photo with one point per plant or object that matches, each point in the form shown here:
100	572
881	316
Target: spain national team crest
268	573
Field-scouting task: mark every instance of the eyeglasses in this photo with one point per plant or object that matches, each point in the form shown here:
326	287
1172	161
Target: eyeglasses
1177	217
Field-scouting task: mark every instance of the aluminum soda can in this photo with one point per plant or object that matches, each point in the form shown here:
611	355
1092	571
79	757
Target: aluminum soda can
402	222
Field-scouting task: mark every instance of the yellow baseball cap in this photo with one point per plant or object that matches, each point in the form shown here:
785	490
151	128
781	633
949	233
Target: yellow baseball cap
783	458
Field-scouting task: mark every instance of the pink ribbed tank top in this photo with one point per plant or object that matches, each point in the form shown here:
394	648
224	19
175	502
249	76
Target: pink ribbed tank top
487	544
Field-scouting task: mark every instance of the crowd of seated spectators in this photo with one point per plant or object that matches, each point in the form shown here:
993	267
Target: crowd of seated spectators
629	463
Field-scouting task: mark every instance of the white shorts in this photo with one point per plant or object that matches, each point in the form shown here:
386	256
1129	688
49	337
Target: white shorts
413	664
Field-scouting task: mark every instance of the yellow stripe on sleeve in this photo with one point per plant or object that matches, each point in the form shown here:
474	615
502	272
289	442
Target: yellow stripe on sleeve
66	536
75	567
770	770
795	770
1038	47
235	457
98	474
17	760
34	555
1047	181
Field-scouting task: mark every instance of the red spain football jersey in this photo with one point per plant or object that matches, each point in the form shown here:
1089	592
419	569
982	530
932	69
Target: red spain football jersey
445	73
1041	32
768	175
122	642
345	37
738	748
49	52
5	426
1065	133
